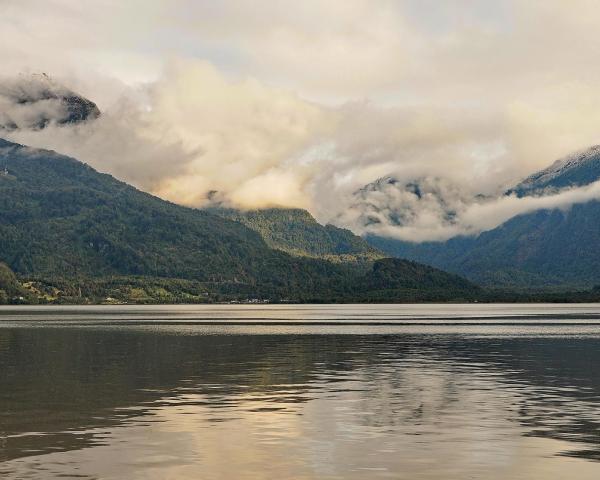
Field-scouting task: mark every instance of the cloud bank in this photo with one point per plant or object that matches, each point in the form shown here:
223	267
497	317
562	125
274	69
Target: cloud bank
434	210
302	104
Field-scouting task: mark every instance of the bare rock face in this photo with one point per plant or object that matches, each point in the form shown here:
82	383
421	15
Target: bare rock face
32	102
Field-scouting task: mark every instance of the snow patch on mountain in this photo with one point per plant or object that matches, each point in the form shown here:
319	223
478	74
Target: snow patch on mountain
578	169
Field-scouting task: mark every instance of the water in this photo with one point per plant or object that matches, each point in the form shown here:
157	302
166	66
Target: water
288	392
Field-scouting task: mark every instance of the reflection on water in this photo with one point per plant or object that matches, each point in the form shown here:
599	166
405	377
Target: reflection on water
155	400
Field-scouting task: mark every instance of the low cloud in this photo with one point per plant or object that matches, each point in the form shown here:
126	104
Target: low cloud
196	131
430	221
304	103
30	102
195	136
193	132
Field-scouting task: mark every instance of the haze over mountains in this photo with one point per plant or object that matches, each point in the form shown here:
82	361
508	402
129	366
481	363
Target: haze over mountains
34	101
554	245
62	219
73	233
301	105
576	170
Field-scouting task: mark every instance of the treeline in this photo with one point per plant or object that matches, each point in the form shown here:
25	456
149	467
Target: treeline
389	280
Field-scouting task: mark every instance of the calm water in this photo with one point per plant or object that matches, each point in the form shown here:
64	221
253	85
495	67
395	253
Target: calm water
241	392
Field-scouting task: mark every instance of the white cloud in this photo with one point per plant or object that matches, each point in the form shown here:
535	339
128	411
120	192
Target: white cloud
301	103
193	132
429	222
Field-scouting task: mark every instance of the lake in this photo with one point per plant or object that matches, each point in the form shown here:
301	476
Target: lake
300	392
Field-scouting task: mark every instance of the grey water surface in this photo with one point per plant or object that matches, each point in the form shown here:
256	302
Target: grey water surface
300	392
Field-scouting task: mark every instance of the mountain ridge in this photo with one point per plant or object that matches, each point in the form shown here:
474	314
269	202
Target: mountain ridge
575	170
295	231
548	248
66	227
35	101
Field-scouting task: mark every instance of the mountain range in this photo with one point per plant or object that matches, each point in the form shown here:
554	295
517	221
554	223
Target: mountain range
73	234
546	248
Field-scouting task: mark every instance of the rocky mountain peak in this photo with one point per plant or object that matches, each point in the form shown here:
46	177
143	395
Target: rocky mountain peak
33	102
575	170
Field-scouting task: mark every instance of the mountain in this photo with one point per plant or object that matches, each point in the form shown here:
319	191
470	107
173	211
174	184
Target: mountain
417	282
296	232
581	168
73	234
546	248
391	201
35	101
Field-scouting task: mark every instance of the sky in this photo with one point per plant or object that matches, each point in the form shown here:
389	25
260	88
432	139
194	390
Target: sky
301	104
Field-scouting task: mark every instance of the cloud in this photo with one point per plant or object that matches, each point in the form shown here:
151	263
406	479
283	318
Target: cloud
303	103
332	49
426	208
35	101
446	215
193	132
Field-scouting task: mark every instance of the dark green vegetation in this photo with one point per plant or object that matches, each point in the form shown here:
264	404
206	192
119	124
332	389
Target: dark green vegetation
390	276
550	249
11	290
296	232
72	234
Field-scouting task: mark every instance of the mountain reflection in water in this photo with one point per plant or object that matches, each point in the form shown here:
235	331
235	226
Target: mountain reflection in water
193	401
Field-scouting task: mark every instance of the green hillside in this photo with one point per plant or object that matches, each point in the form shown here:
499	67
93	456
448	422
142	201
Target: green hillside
546	249
11	290
78	235
296	232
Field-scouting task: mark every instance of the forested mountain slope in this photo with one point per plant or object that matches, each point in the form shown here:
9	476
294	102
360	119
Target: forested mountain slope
547	248
63	223
295	231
